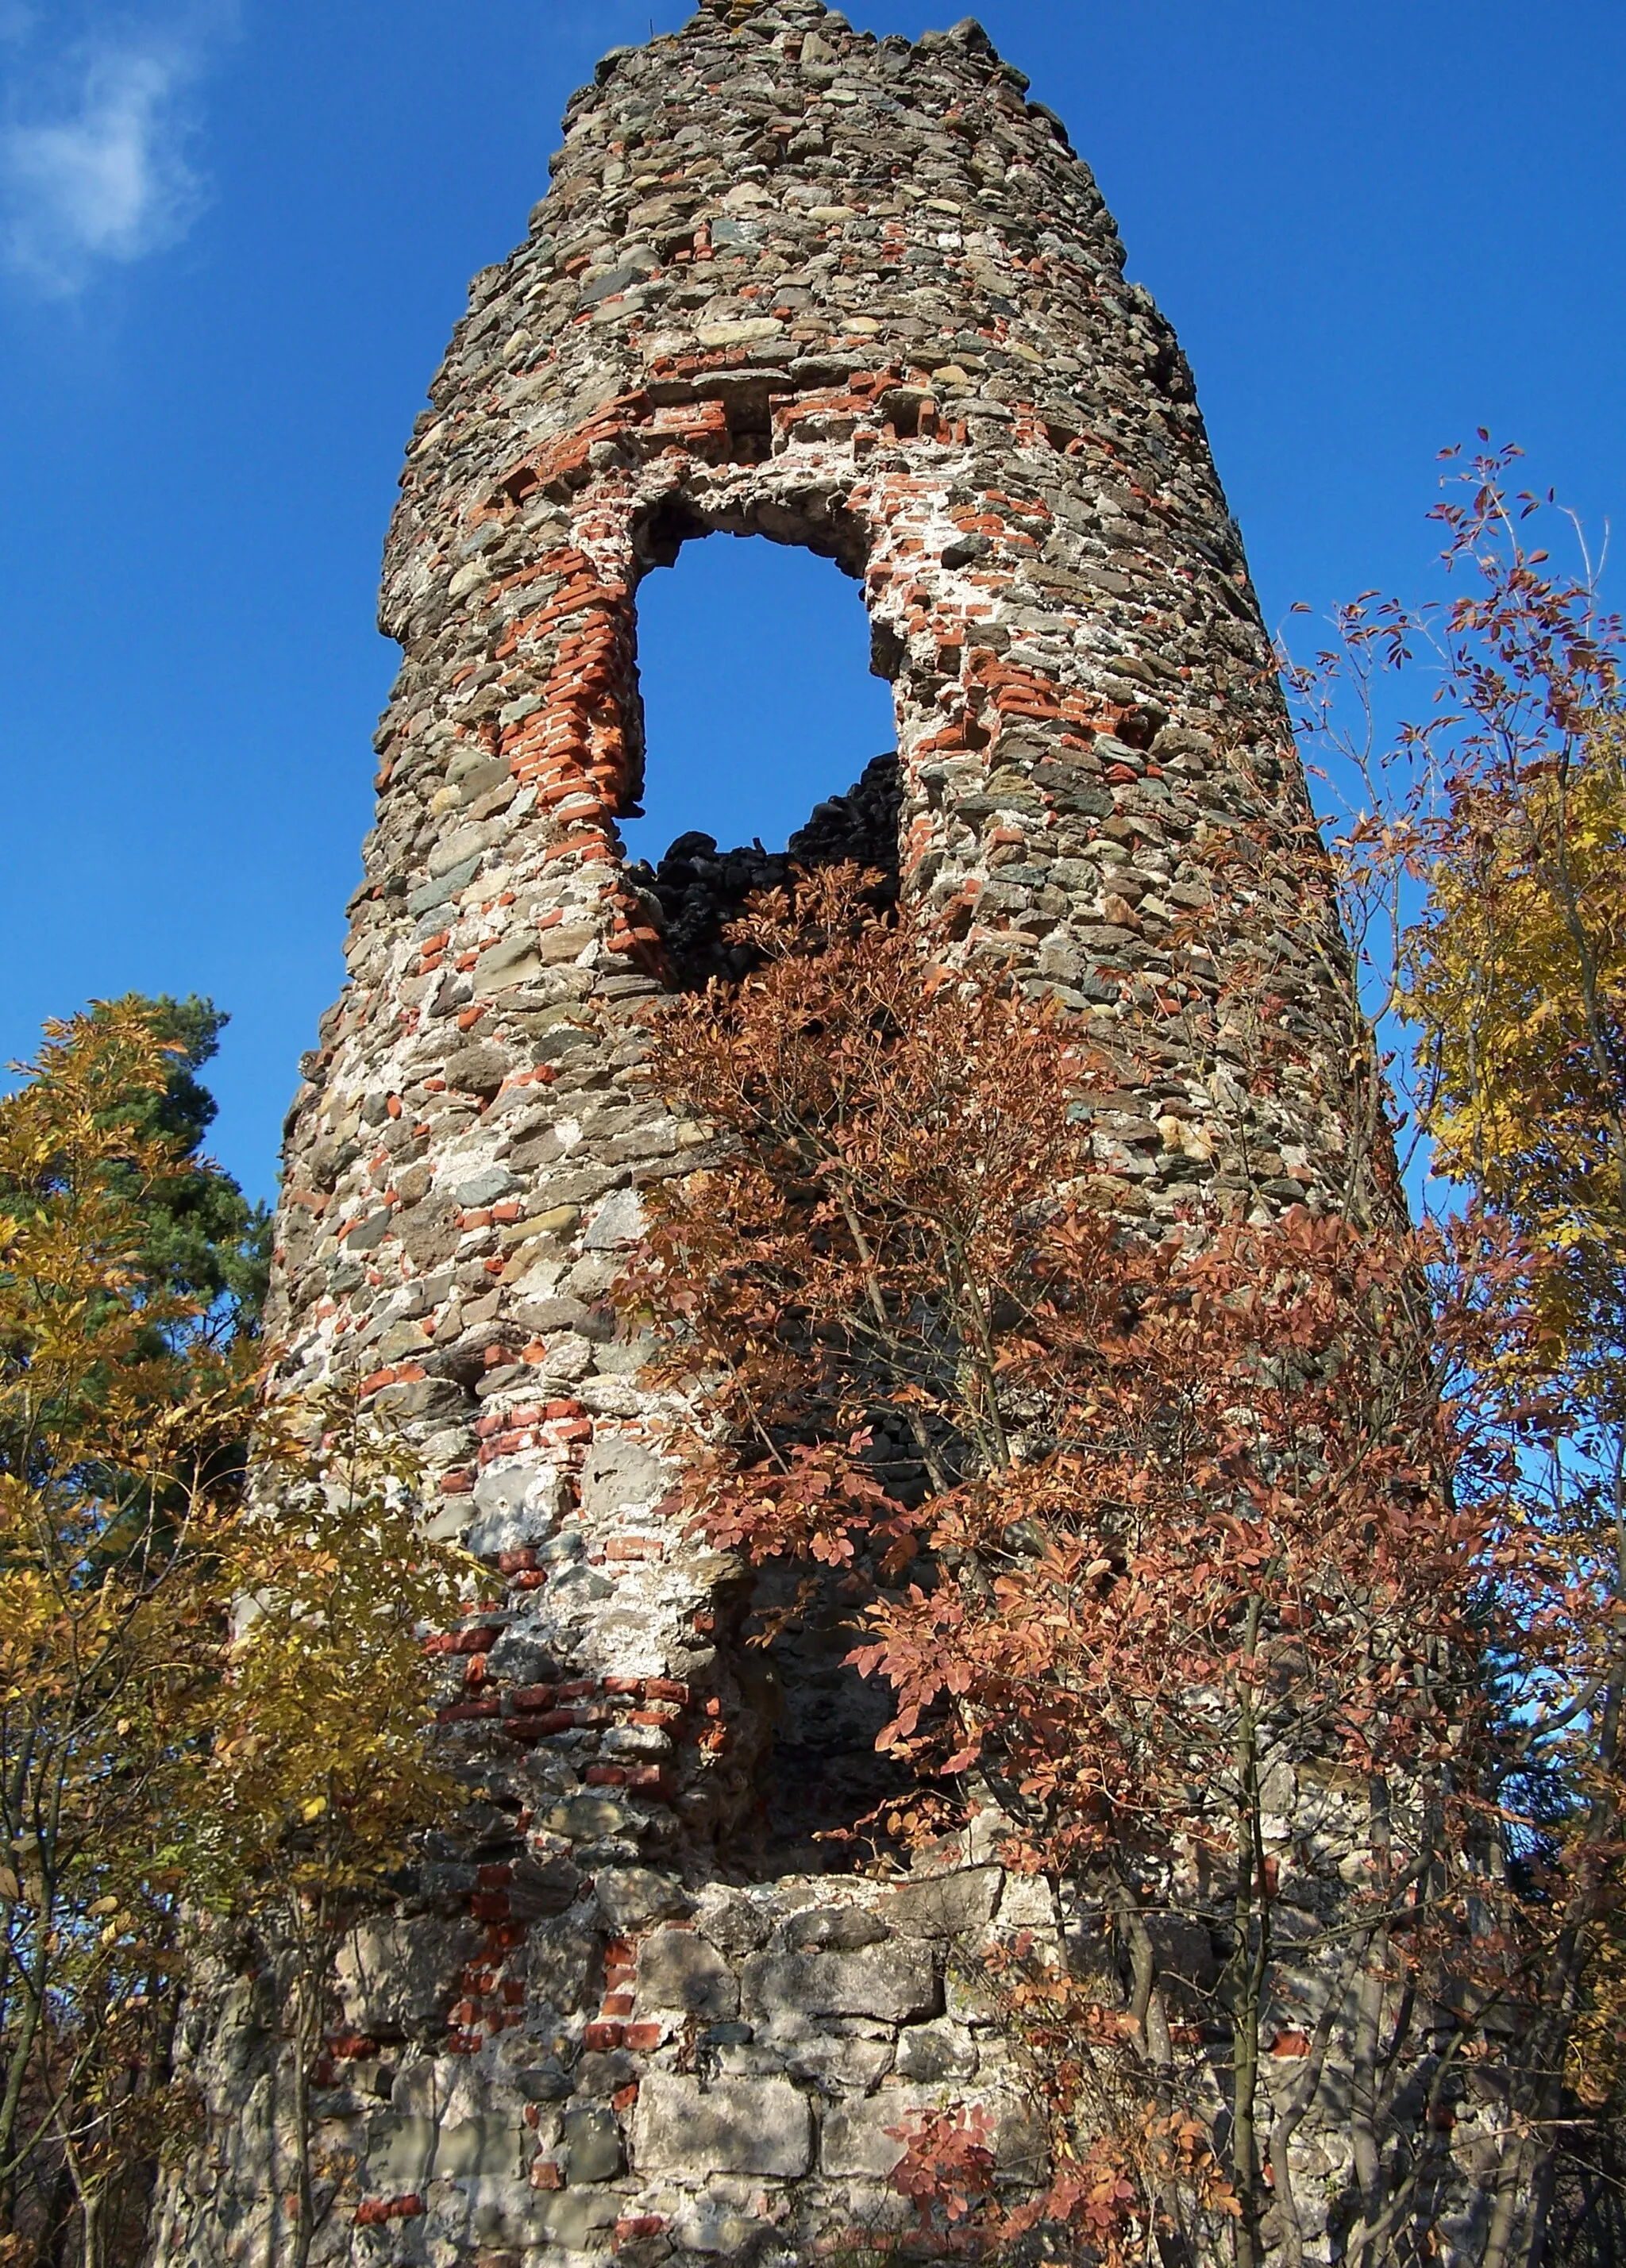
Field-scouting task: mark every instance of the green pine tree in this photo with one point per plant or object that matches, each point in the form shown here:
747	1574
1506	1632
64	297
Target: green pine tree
205	1240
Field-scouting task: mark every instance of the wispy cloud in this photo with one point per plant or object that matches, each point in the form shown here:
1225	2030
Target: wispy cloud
102	176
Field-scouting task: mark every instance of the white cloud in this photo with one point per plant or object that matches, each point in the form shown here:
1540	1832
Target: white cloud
108	181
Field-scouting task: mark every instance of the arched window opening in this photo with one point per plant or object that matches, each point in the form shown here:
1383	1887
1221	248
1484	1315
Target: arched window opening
769	741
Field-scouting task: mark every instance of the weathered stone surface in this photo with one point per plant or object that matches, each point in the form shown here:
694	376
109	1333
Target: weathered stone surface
678	1968
941	1905
620	1473
515	1505
855	2137
631	1897
573	2219
398	1977
936	2051
832	1929
893	1982
736	1924
734	2126
559	1961
406	2153
837	2064
590	2146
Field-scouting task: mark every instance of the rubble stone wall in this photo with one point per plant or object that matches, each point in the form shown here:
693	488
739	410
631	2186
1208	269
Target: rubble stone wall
795	282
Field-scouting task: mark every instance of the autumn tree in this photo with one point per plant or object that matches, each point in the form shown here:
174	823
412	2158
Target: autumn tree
206	1244
1159	1546
118	1421
212	1698
1487	834
321	1763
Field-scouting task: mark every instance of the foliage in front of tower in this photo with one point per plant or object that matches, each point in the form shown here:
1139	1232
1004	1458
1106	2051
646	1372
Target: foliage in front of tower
1260	1579
1173	1572
204	1242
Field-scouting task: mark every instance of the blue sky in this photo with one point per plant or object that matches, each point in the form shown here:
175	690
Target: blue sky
234	235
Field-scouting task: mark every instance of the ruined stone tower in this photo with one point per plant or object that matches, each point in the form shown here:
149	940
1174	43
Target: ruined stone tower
858	295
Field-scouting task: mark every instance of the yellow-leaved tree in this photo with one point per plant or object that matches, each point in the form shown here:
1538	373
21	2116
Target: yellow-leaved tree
1485	873
321	1761
1516	975
213	1696
120	1425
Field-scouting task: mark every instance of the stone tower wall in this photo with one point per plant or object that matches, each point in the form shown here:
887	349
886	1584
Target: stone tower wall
860	295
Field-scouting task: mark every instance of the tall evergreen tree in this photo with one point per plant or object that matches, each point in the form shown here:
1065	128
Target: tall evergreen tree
205	1241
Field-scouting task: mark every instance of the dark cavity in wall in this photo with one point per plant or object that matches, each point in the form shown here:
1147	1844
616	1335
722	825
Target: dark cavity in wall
755	660
700	889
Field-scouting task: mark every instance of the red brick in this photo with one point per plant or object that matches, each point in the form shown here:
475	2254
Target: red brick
538	1728
468	1641
376	2210
351	2047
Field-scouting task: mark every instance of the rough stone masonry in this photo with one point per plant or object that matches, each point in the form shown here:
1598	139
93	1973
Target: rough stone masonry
797	282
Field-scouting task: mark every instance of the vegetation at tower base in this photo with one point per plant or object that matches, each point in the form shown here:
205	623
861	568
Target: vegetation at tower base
161	1748
1184	1572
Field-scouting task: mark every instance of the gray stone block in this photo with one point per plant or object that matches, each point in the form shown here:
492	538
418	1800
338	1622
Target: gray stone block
834	2063
560	1959
583	1818
590	2146
855	2138
573	2218
735	1924
678	1968
618	1222
723	2222
631	1897
397	1977
890	1982
832	1929
407	2152
515	1506
941	1905
619	1472
936	2051
734	2126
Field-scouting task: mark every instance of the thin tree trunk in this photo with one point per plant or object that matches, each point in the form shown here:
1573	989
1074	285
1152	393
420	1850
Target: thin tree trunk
1250	1940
